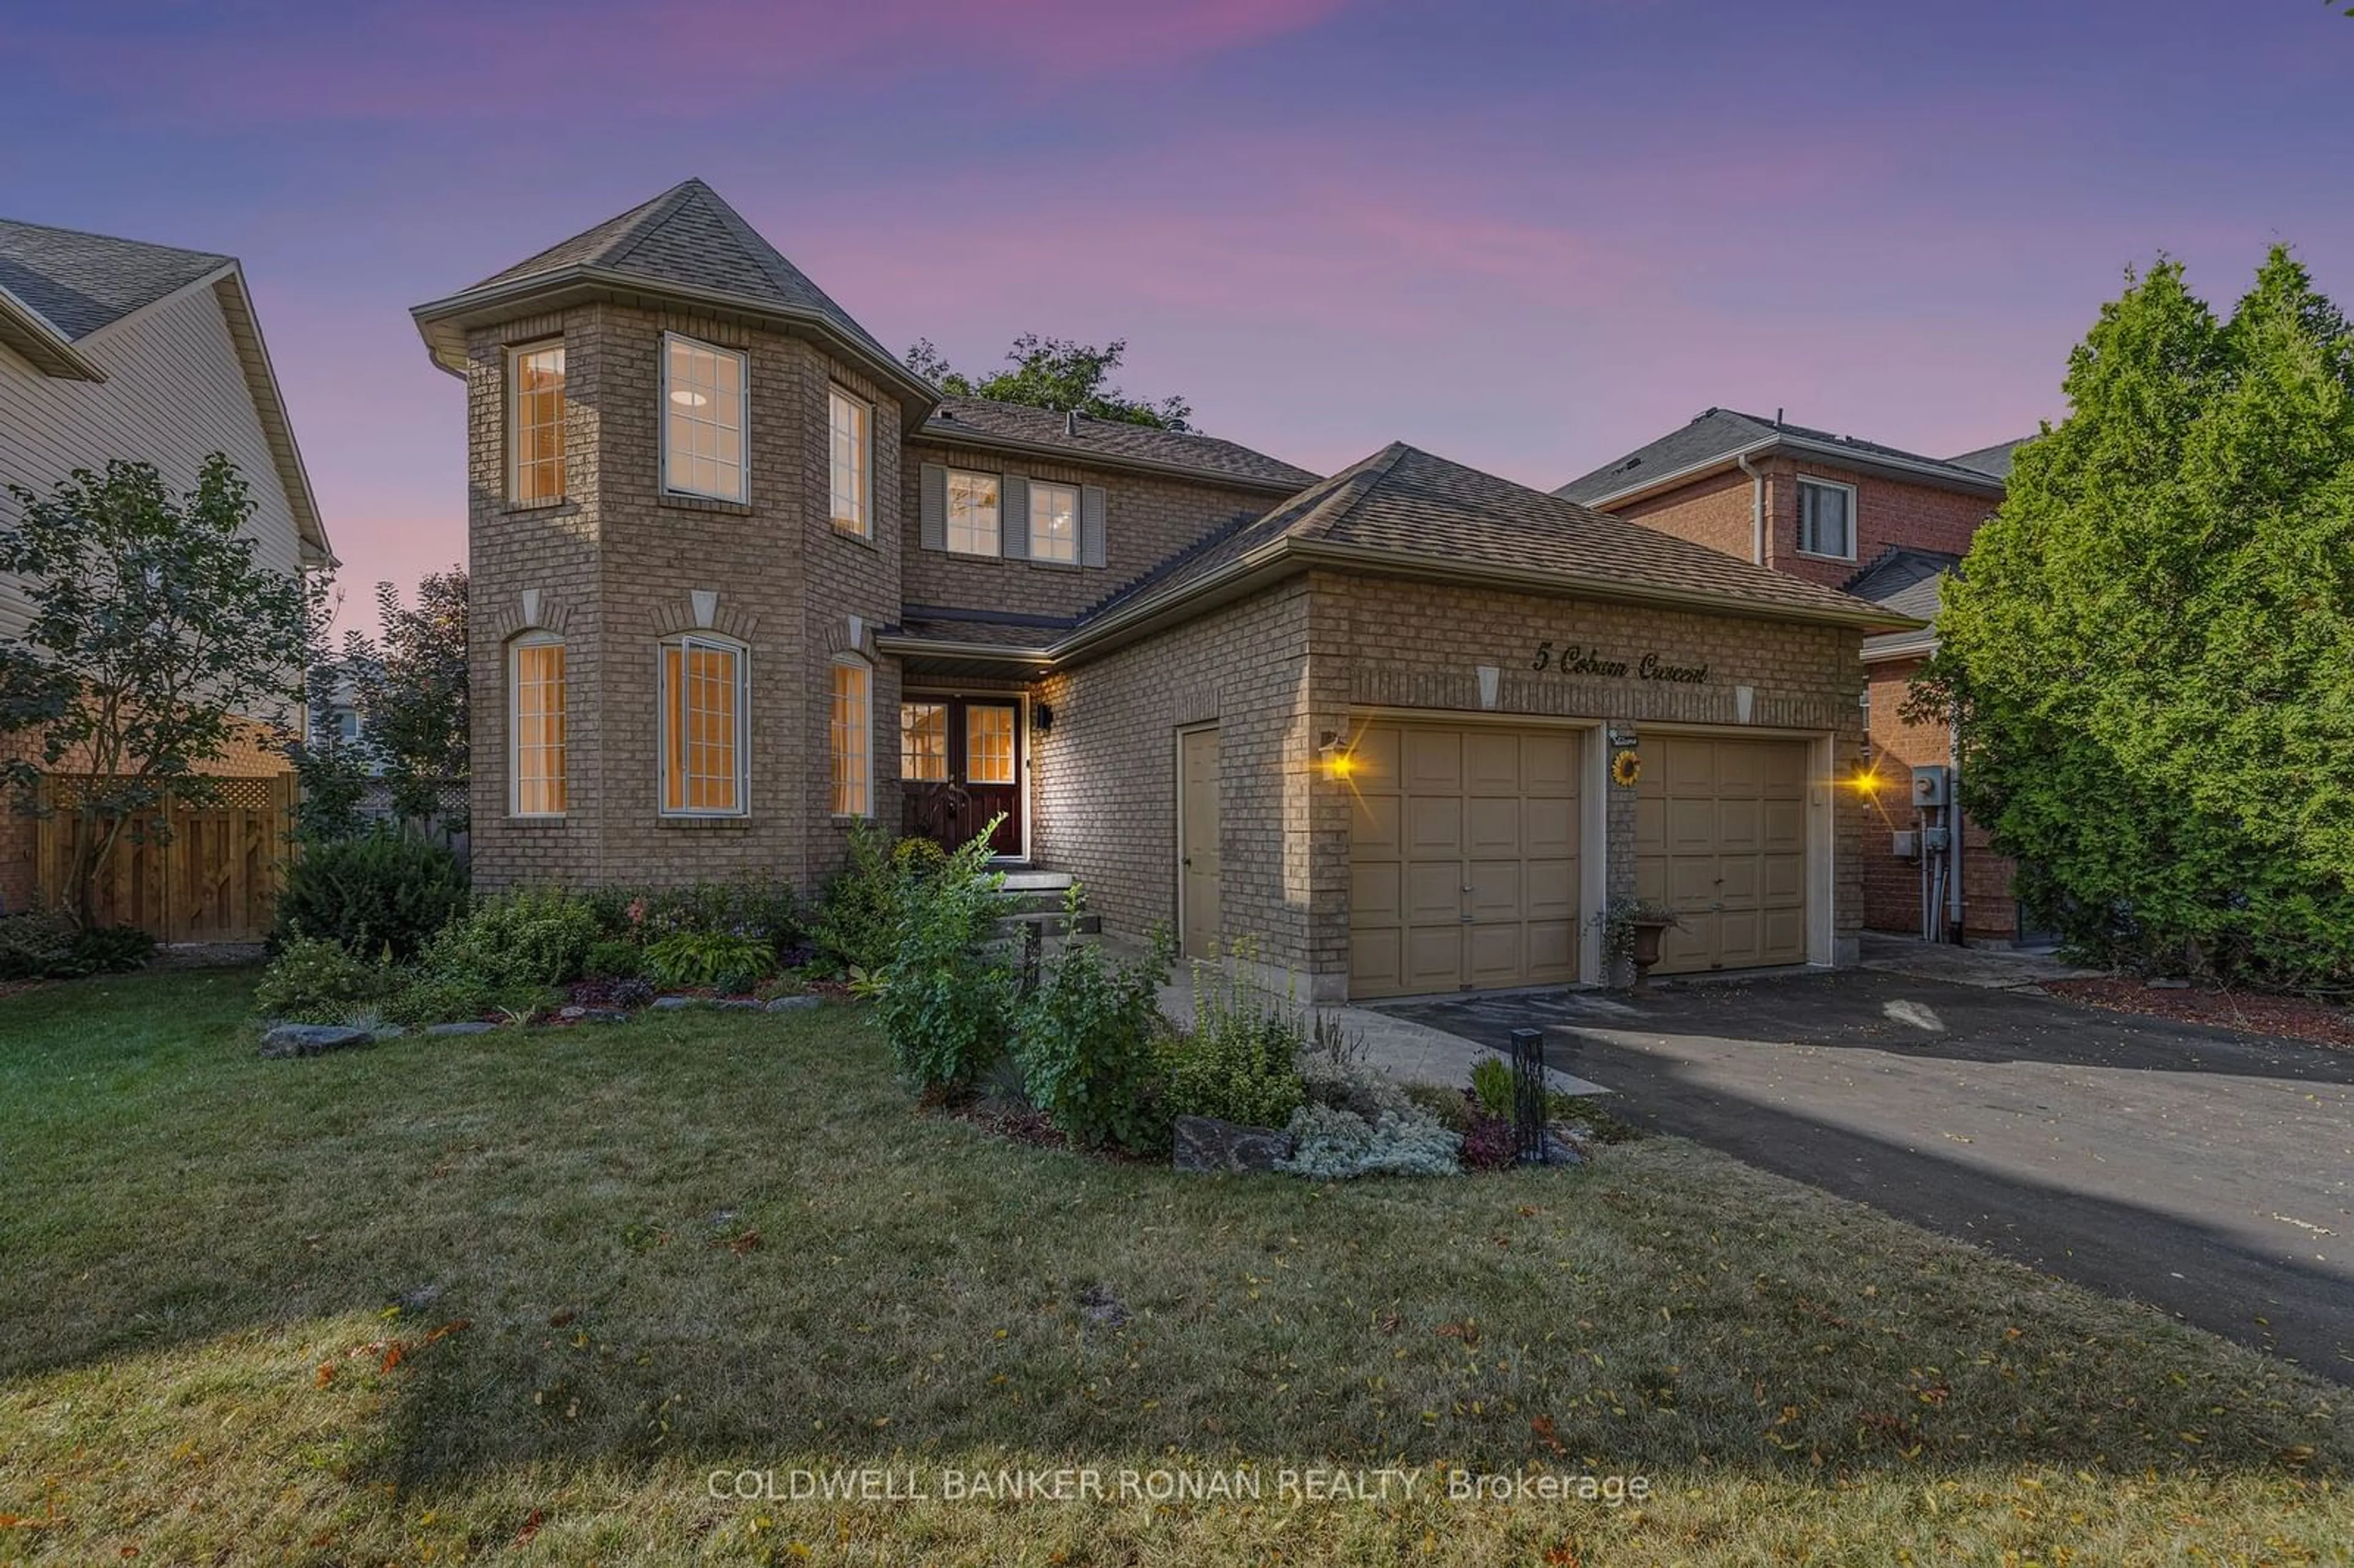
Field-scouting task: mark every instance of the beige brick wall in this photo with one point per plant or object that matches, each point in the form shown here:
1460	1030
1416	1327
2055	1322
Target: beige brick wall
1146	520
616	564
1279	670
1892	887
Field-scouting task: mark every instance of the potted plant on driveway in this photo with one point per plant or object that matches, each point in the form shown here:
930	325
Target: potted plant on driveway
1631	929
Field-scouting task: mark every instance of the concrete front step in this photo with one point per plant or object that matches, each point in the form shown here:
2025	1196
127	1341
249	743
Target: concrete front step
1035	881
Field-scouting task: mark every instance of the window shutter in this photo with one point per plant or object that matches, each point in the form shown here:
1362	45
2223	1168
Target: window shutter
1091	524
934	507
1013	516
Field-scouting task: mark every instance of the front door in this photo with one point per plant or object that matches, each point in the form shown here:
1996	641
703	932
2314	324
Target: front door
1197	843
960	765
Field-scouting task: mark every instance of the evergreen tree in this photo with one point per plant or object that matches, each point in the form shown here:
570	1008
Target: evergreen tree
2151	649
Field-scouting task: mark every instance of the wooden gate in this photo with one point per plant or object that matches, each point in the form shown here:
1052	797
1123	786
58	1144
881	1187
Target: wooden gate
211	877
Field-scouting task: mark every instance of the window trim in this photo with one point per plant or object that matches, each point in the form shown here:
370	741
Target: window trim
683	642
863	527
743	496
1804	479
947	514
515	353
834	668
515	645
1078	502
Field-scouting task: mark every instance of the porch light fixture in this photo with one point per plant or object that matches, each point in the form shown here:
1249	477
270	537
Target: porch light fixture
1335	756
1042	719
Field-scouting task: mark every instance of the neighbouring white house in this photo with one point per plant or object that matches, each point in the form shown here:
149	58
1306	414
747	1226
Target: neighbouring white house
117	348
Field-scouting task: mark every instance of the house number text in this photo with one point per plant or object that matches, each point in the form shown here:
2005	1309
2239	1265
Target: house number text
1579	660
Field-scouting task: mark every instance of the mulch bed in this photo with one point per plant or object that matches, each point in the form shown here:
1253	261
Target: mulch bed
2290	1017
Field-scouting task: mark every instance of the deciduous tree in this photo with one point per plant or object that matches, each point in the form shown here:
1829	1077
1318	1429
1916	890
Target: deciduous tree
1057	373
155	634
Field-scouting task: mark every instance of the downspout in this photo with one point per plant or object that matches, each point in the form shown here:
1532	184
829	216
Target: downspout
1954	830
1756	508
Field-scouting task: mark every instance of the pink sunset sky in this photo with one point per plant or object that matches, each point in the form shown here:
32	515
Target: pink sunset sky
1527	235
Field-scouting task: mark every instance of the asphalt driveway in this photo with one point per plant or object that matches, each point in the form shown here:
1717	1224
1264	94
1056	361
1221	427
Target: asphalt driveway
2208	1172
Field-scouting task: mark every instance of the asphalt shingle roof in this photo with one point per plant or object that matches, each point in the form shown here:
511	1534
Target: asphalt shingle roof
1993	462
1904	580
1407	502
78	282
689	237
1720	432
986	420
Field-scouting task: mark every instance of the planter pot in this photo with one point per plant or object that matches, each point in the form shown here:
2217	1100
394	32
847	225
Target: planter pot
1645	950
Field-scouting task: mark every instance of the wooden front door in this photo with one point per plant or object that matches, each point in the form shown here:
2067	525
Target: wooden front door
1197	843
960	765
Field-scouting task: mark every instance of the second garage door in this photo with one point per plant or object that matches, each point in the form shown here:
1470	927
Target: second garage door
1463	856
1721	837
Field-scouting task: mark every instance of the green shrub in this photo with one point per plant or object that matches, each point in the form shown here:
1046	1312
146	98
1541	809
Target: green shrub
719	959
611	959
524	937
35	946
312	980
1330	1145
944	1003
111	949
1084	1037
858	919
1241	1061
383	893
1491	1082
767	909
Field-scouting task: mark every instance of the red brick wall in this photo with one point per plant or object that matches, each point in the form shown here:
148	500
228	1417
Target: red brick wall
1892	887
1715	511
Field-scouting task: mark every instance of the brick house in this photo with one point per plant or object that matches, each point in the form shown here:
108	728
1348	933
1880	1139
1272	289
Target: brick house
116	348
742	581
1882	524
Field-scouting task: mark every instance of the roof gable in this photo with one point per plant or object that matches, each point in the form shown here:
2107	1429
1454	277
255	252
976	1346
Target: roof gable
686	242
1719	435
79	283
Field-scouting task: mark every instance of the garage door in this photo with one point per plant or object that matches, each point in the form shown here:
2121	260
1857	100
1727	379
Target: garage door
1462	859
1721	836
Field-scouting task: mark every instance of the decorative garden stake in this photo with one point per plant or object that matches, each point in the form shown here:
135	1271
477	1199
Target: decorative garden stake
1529	1095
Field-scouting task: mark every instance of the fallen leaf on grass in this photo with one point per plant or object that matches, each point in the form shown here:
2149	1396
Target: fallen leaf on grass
326	1373
748	1243
561	1316
1542	1426
1468	1331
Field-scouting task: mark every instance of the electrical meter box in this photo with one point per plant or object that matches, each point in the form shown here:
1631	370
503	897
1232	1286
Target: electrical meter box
1931	785
1905	844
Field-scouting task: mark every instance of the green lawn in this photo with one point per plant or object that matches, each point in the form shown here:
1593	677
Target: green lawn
202	1250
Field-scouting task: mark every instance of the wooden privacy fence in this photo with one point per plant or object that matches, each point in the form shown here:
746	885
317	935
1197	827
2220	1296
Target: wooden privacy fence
186	870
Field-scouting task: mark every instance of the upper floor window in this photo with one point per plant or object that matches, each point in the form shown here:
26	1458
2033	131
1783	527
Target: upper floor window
703	419
536	424
973	512
1054	522
703	716
850	444
535	739
1827	519
853	738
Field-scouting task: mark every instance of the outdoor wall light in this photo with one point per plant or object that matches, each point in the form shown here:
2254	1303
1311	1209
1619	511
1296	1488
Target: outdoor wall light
1337	760
1042	719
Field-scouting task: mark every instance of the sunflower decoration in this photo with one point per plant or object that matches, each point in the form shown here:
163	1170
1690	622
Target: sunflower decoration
1626	766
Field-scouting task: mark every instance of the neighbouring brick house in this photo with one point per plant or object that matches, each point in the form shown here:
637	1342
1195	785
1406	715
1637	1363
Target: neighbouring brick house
120	349
743	582
1882	524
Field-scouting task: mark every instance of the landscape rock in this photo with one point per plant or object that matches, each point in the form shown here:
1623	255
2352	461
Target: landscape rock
1205	1143
384	1032
672	1003
310	1040
598	1014
470	1026
795	1003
